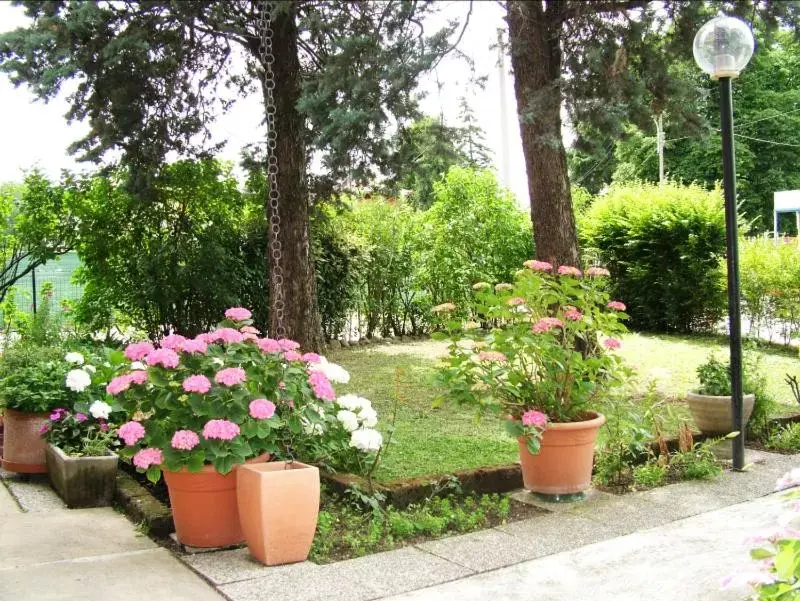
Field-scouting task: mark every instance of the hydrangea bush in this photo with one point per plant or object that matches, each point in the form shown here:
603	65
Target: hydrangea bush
229	395
548	352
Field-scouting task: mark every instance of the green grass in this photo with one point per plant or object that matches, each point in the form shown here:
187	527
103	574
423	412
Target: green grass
432	441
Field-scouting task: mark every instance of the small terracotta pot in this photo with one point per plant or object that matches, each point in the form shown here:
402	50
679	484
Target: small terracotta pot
564	463
23	446
278	509
204	506
714	414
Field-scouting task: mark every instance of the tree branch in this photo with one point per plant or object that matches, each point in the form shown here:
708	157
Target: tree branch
593	8
458	40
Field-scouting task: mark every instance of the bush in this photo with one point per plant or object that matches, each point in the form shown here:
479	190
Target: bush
663	246
784	438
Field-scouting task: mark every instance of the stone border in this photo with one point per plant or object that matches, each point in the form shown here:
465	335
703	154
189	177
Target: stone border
143	507
366	342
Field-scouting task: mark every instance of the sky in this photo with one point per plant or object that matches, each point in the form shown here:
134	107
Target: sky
33	133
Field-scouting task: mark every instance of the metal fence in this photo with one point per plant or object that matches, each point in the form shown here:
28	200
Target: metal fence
57	272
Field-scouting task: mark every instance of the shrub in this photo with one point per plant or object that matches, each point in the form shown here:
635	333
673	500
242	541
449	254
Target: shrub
784	438
649	475
663	246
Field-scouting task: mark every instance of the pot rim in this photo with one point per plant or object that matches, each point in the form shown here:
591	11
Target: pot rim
208	468
25	414
697	395
60	452
598	420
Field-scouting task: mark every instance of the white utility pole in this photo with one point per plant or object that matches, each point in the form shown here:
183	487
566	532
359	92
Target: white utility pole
660	144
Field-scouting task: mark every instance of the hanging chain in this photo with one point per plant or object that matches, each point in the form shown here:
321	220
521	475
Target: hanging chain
275	249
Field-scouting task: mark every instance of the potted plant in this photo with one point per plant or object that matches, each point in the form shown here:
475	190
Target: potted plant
712	404
199	407
545	361
80	459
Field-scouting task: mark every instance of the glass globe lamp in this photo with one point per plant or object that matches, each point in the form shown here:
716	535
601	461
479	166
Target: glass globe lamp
723	47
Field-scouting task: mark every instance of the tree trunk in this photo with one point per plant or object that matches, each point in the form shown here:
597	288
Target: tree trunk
301	320
534	35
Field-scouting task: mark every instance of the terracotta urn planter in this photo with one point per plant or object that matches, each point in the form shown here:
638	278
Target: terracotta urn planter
278	509
204	506
23	447
713	415
82	481
564	463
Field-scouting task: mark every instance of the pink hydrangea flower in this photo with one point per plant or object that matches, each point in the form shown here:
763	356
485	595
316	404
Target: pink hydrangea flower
534	418
220	429
311	358
199	384
249	330
597	271
238	314
292	356
193	346
288	345
147	457
185	440
205	337
119	384
226	335
538	265
616	305
230	376
545	324
492	356
138	377
138	350
249	336
569	270
268	345
262	409
515	301
321	386
612	343
173	341
163	356
131	432
572	313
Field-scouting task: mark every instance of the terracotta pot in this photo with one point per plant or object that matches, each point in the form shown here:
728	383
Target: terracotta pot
204	506
564	463
23	447
714	414
278	508
82	481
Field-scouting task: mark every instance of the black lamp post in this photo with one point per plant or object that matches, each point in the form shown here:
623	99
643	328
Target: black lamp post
722	48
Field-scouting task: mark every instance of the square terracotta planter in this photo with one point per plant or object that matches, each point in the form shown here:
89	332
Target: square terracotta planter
82	481
278	508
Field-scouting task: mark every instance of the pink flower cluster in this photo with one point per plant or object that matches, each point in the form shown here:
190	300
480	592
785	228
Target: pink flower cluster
147	457
199	384
534	418
311	358
545	324
572	313
597	271
268	345
249	330
185	440
226	335
220	429
194	345
131	432
123	382
492	356
138	350
238	314
321	386
292	356
173	341
515	301
230	376
612	343
163	356
288	345
262	409
569	270
538	265
616	305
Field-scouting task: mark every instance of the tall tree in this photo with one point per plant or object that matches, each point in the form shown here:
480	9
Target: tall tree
152	76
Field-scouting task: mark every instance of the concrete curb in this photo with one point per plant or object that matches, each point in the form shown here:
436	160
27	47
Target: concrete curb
142	507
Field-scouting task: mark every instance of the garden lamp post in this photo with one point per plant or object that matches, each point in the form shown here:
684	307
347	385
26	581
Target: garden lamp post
722	48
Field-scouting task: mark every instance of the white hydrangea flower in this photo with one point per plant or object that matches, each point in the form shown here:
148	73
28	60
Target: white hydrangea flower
100	410
368	417
78	380
89	369
348	420
75	358
217	361
333	371
366	439
138	365
350	402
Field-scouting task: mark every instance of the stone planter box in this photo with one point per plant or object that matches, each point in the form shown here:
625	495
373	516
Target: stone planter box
713	415
82	481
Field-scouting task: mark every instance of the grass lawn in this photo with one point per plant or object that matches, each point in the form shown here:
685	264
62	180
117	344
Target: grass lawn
429	441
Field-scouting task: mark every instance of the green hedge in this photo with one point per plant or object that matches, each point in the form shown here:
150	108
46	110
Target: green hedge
663	246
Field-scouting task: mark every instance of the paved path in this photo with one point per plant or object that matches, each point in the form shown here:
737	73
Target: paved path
51	553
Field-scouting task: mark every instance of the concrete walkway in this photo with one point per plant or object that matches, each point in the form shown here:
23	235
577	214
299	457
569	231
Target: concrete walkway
51	553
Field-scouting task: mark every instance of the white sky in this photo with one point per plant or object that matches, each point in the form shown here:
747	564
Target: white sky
36	134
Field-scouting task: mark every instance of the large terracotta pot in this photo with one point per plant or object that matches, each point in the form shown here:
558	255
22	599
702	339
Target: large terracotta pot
23	446
564	463
204	506
278	508
714	414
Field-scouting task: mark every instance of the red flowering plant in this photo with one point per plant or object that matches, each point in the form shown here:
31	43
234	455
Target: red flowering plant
227	396
549	356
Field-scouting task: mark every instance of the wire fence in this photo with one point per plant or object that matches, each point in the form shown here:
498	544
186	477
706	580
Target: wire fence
58	273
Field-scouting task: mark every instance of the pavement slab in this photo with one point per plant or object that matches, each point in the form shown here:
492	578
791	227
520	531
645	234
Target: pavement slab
33	492
8	504
237	564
